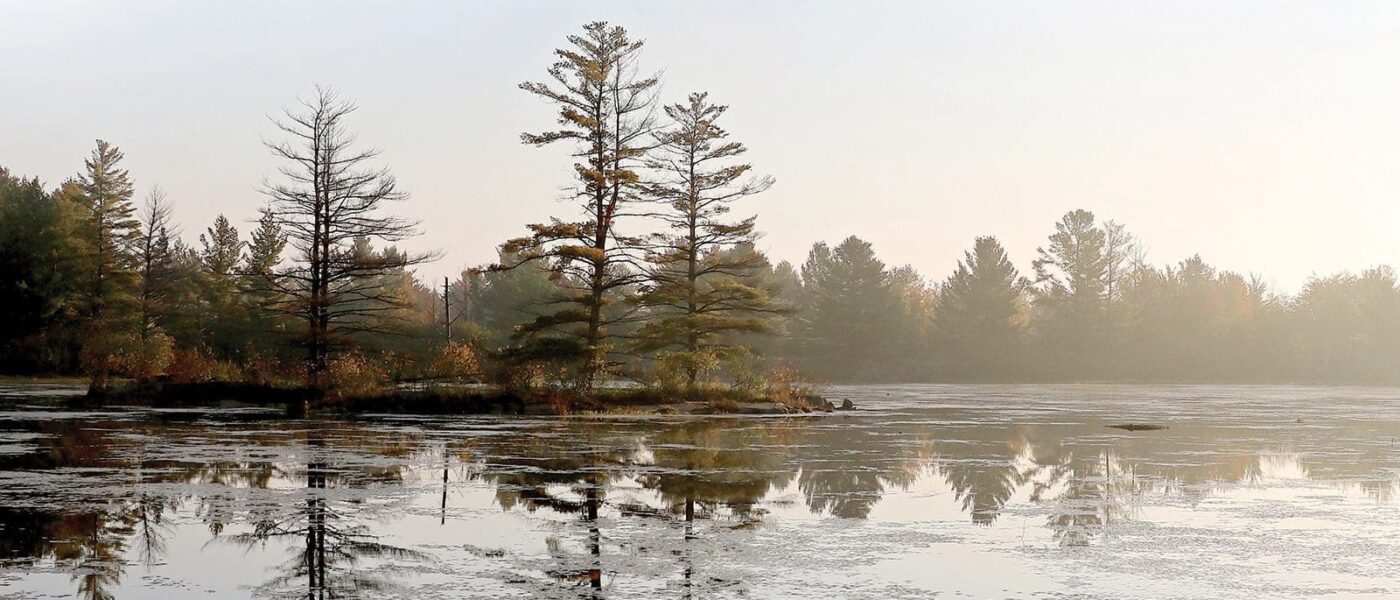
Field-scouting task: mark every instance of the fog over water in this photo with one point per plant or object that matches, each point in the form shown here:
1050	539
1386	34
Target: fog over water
984	491
766	299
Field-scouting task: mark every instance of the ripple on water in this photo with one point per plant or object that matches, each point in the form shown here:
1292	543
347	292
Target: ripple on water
960	491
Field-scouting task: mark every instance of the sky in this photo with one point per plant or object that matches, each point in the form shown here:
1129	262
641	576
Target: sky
1261	135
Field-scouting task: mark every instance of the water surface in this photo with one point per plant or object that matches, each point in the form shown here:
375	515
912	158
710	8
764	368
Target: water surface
963	491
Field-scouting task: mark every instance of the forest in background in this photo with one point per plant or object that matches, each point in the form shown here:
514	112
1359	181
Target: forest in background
652	278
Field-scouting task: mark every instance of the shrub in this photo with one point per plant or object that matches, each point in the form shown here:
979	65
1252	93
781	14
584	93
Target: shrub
747	372
108	352
150	357
103	353
198	365
456	362
354	374
271	370
670	371
786	386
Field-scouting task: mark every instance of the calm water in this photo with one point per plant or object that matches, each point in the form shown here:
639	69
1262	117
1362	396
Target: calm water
966	491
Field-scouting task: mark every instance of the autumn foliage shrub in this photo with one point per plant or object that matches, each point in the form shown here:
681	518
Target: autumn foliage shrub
355	374
456	362
107	353
198	365
670	372
785	385
260	369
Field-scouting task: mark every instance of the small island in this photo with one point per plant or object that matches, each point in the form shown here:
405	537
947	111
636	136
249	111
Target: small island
467	399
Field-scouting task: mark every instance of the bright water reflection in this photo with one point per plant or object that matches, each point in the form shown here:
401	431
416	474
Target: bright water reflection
970	491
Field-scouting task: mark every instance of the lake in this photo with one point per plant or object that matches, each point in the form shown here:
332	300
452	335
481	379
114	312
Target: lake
963	491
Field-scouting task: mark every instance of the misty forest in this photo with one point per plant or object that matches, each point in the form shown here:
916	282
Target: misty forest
638	397
652	274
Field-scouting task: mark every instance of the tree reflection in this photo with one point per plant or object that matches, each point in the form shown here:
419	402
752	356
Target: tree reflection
1098	493
707	468
565	470
656	499
845	472
332	547
90	542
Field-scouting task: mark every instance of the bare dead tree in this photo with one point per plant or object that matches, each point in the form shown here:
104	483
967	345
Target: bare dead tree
330	199
155	253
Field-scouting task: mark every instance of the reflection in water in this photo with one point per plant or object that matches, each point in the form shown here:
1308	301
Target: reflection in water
711	470
657	500
330	561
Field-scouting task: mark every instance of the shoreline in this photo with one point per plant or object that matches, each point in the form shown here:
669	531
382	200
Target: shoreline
458	400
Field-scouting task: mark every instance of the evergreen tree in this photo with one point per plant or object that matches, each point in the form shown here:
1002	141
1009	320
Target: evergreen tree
219	253
265	247
398	310
605	110
909	336
849	313
1071	290
39	276
979	314
496	301
700	292
259	282
109	231
109	228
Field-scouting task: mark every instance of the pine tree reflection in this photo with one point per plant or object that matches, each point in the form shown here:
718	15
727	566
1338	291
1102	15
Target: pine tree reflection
567	470
845	472
330	558
709	468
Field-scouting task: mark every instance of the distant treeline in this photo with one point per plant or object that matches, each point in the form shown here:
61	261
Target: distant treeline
654	282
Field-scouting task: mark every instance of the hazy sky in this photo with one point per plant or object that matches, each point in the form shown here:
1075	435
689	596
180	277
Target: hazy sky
1263	135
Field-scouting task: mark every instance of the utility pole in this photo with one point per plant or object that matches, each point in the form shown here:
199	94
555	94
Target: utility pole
446	310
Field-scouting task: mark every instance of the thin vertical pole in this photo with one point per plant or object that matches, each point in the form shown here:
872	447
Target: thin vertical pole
446	310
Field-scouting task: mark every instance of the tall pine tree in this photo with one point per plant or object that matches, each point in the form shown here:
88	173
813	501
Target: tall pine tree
606	113
849	312
109	229
1071	289
700	291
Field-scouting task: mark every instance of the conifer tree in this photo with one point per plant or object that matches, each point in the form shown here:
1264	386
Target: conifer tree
263	254
219	253
109	232
1071	289
109	228
40	276
848	311
496	301
605	112
978	310
701	289
258	279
